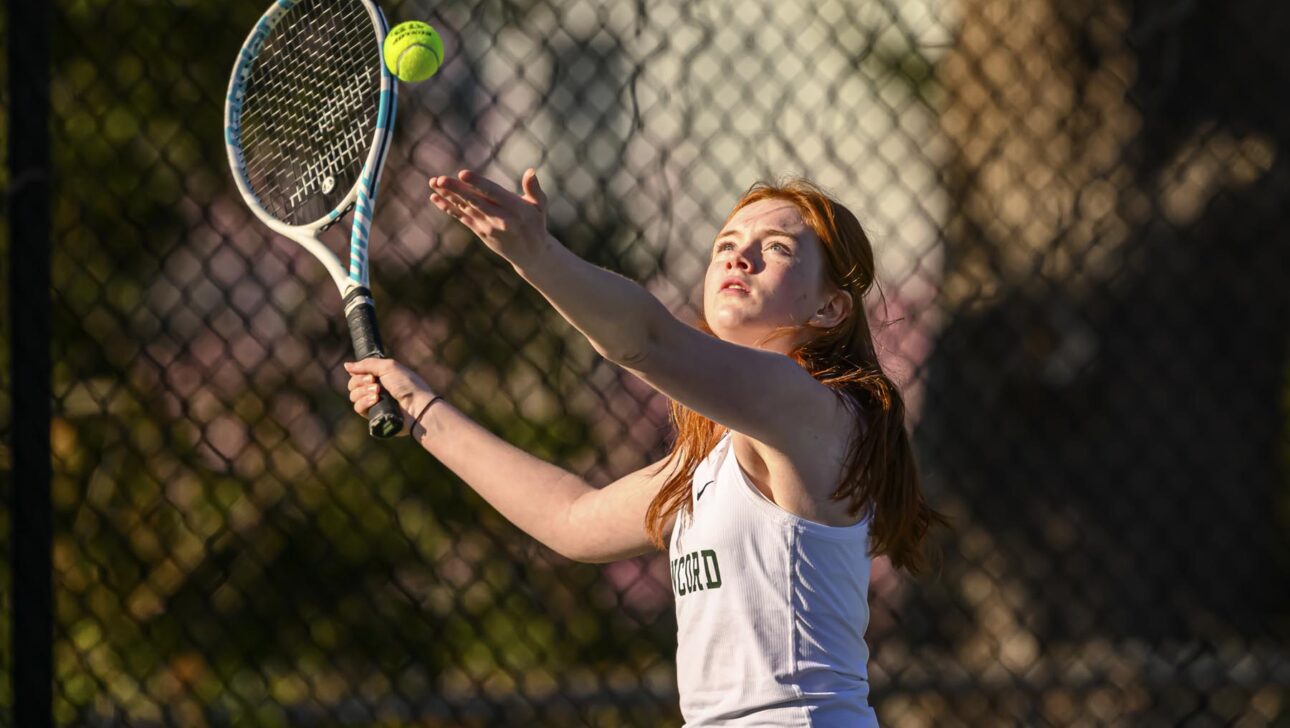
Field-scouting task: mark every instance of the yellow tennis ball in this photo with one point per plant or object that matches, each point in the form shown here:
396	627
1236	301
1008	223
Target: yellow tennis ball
413	51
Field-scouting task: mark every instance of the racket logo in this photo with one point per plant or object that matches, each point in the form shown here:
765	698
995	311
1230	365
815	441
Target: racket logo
317	176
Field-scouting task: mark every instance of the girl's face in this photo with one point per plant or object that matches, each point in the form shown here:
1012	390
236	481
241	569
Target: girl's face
766	272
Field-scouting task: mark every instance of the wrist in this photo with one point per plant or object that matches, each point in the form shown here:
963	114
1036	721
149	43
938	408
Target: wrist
417	402
534	256
419	412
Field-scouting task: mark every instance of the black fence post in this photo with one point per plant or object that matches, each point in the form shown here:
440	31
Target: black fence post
29	275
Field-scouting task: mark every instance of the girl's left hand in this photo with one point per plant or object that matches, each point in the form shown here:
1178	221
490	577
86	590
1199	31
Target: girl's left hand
511	225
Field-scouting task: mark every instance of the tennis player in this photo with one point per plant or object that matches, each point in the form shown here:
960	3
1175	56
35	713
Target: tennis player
791	466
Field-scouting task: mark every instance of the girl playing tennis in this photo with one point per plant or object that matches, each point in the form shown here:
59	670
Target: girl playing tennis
791	465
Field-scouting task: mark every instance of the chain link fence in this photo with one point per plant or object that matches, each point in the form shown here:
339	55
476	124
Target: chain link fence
1080	214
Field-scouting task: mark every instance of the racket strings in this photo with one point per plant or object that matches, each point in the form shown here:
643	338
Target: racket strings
310	108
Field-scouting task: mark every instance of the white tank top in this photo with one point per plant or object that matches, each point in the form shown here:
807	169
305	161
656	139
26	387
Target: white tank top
771	609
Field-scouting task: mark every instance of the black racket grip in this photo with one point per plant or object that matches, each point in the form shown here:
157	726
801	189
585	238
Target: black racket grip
384	419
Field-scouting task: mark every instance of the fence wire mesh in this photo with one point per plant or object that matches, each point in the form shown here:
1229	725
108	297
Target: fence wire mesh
1079	210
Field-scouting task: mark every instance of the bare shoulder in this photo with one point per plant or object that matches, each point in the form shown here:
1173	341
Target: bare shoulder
801	474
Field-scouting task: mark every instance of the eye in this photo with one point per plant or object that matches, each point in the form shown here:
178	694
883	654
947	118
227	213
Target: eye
724	245
782	248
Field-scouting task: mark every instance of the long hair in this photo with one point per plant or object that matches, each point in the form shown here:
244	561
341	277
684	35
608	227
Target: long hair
881	477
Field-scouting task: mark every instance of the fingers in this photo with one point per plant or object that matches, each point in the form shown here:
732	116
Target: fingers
469	197
532	190
363	406
358	381
475	219
364	389
368	377
364	397
448	201
375	366
456	207
486	187
507	222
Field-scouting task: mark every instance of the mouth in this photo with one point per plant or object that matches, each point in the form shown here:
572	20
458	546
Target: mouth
733	287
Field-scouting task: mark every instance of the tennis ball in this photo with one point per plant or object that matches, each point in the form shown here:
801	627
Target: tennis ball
413	51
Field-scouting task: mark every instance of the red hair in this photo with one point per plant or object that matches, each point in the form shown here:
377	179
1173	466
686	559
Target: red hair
881	477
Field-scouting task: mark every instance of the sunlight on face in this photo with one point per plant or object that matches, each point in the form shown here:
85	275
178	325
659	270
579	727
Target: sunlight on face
766	271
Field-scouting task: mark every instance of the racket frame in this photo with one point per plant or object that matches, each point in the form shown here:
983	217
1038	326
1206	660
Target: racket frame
352	282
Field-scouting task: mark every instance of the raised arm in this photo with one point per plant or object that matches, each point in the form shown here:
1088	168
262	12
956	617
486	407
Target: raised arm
764	395
559	509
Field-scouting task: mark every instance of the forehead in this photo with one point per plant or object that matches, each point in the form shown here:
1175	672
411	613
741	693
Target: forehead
763	214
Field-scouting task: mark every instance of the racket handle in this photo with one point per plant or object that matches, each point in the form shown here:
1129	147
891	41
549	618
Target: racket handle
384	419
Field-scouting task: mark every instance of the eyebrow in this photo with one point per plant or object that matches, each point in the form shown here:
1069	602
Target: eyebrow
768	231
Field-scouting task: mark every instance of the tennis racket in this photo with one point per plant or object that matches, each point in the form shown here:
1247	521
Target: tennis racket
307	123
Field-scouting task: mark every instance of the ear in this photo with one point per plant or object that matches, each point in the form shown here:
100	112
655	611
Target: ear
833	311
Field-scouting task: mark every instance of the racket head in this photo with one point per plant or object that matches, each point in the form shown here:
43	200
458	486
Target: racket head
307	121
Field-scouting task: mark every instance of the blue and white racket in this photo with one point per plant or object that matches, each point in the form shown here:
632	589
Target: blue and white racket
307	122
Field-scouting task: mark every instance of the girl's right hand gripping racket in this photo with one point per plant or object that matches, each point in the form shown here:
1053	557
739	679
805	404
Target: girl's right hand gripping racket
307	123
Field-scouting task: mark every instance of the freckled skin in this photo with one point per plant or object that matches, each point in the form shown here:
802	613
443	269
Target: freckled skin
784	273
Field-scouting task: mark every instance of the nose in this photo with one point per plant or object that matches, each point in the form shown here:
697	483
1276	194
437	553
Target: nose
737	259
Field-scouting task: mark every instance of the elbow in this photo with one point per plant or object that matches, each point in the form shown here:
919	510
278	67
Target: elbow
574	556
627	351
633	351
586	558
571	538
633	358
586	554
592	556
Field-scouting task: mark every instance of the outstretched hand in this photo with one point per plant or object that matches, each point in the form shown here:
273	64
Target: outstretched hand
511	225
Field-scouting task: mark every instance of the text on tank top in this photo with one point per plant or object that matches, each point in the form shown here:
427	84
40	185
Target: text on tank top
771	608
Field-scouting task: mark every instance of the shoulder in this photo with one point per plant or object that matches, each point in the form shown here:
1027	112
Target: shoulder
833	424
802	476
